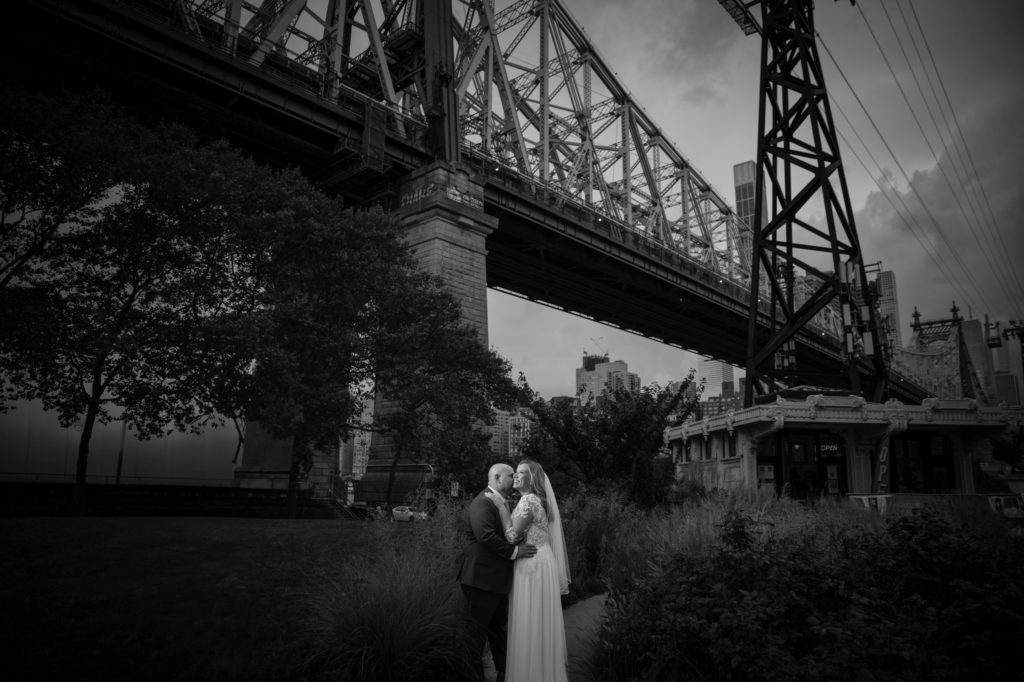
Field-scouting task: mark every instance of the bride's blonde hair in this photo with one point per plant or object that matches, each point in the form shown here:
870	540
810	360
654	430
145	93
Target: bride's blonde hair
537	487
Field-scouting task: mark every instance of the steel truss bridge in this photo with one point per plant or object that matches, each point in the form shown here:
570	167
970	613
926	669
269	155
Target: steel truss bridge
599	213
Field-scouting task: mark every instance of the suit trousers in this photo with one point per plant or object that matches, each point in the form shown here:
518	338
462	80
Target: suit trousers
488	621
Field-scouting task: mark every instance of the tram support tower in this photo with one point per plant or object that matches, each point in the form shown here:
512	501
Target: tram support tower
798	267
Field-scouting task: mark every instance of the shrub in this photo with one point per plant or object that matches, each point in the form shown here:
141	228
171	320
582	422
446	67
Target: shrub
823	593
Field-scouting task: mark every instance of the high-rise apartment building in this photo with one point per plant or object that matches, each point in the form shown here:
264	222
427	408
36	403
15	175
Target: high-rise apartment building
715	405
1009	365
355	452
598	376
980	382
718	378
509	433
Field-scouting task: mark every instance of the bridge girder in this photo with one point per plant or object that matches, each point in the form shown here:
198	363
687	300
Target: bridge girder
339	88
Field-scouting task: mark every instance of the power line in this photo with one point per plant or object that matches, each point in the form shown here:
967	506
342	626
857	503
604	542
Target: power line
891	153
970	157
965	177
926	245
987	249
938	226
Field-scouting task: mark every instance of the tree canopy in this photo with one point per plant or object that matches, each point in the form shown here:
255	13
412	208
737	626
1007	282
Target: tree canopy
175	283
612	440
117	260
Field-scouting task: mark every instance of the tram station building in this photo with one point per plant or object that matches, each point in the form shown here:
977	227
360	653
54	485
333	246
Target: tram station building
826	445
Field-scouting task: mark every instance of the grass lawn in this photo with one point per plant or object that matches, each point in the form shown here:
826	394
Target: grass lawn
154	598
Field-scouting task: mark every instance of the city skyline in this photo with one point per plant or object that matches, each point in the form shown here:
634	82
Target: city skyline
697	77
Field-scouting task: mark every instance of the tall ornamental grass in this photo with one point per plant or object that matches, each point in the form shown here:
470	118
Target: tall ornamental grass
394	615
733	585
610	542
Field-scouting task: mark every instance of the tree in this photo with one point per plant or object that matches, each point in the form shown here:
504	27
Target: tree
183	284
312	340
437	383
117	269
612	439
441	386
62	158
57	166
345	312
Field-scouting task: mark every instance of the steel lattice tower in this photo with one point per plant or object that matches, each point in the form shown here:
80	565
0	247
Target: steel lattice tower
807	256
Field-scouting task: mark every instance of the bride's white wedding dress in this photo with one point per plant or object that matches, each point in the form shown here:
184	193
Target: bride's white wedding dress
536	630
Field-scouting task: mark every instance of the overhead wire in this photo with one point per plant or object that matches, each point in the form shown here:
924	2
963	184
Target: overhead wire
924	205
970	157
988	249
937	257
961	180
963	175
915	230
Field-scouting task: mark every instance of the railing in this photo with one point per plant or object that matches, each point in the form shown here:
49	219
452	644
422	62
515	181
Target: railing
284	65
105	479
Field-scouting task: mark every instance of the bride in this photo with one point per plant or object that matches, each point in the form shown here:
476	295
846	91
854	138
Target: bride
536	631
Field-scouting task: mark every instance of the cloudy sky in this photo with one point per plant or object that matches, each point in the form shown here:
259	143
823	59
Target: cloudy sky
696	74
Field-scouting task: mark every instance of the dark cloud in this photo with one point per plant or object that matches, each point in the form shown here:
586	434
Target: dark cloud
671	42
979	259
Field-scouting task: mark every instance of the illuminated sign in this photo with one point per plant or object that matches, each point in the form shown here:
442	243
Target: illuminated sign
830	446
883	469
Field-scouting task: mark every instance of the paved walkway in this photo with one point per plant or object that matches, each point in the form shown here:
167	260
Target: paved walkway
582	626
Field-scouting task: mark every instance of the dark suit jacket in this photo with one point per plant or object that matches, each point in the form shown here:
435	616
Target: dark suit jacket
486	559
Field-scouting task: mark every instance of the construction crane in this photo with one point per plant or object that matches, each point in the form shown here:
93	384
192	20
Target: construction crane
799	268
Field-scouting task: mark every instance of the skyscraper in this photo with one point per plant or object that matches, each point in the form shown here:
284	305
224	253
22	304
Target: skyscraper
744	176
1009	365
888	305
718	378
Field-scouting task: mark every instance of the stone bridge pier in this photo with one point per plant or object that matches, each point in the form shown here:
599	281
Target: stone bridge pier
442	209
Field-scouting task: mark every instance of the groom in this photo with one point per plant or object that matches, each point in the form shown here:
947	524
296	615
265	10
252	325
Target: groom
486	570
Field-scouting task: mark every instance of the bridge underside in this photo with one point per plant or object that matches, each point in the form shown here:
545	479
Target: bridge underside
579	271
544	248
560	255
273	112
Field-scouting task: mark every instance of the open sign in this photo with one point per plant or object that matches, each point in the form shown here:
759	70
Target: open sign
830	448
882	481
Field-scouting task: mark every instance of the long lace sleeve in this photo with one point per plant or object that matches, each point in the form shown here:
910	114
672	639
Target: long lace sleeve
523	515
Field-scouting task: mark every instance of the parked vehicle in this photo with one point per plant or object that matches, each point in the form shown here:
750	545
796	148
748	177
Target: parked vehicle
408	514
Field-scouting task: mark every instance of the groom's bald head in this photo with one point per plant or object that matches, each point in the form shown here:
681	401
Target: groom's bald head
499	477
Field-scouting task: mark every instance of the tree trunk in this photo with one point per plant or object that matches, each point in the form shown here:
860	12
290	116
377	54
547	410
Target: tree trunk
82	464
394	470
292	507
